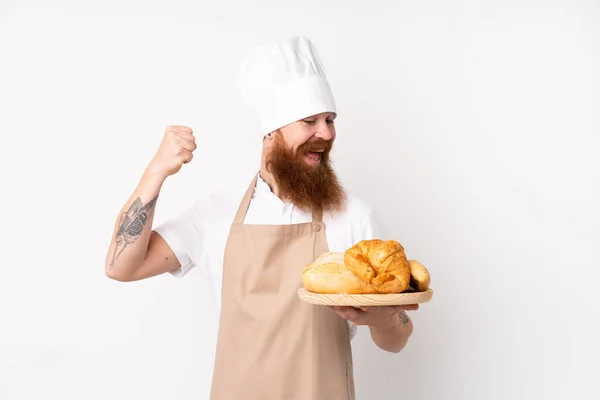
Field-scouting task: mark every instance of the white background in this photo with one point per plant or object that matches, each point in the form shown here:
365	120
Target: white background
471	126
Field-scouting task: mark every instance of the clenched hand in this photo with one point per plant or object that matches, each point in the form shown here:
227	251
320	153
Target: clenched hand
176	149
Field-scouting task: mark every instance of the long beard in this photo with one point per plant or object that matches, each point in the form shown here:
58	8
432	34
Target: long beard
309	188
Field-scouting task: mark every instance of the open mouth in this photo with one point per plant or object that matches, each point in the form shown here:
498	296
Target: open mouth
313	156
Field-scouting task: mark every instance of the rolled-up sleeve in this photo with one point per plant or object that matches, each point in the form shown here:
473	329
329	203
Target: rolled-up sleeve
184	234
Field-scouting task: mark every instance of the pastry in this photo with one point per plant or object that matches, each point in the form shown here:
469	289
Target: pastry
369	267
381	263
419	276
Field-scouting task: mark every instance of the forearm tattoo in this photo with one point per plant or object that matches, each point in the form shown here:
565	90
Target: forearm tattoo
131	225
403	318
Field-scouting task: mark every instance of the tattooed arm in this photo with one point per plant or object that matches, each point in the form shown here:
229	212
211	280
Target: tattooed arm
393	338
390	326
136	252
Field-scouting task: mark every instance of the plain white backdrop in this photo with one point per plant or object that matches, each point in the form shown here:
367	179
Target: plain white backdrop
471	126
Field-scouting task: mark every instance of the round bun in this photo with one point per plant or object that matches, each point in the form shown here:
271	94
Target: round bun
328	275
381	263
420	278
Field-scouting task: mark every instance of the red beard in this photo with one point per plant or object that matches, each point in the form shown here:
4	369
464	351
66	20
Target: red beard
309	188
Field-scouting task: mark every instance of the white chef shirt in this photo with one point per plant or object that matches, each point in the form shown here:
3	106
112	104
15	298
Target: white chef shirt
199	234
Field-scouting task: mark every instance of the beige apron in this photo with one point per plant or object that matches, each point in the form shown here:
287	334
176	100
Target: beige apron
270	345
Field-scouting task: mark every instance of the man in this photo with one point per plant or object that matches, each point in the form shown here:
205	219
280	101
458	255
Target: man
252	244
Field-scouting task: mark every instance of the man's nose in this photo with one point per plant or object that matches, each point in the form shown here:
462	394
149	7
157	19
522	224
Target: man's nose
325	132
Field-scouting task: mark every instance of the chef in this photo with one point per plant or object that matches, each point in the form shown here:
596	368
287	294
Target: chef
251	243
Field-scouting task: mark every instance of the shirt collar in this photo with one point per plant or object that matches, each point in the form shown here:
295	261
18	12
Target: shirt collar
262	186
263	190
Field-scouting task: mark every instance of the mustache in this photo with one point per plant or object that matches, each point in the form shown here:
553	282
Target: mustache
316	145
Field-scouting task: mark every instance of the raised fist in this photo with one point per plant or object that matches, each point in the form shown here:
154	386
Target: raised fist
176	149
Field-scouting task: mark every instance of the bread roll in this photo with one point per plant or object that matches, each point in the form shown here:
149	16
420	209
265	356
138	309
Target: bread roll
328	275
420	278
369	267
381	263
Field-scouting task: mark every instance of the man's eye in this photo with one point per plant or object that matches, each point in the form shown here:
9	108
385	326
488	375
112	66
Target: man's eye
309	122
330	121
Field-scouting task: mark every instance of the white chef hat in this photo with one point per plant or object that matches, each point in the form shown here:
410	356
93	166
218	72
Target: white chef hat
284	82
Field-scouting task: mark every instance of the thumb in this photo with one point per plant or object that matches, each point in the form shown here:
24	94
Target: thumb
410	307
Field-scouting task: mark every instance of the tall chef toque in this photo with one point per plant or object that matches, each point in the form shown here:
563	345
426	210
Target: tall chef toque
284	82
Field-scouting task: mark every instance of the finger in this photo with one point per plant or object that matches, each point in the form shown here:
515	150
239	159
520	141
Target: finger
186	136
338	310
342	314
180	128
353	314
186	156
409	307
342	308
368	310
393	309
188	145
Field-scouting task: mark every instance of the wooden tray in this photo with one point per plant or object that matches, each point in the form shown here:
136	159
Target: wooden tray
358	300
